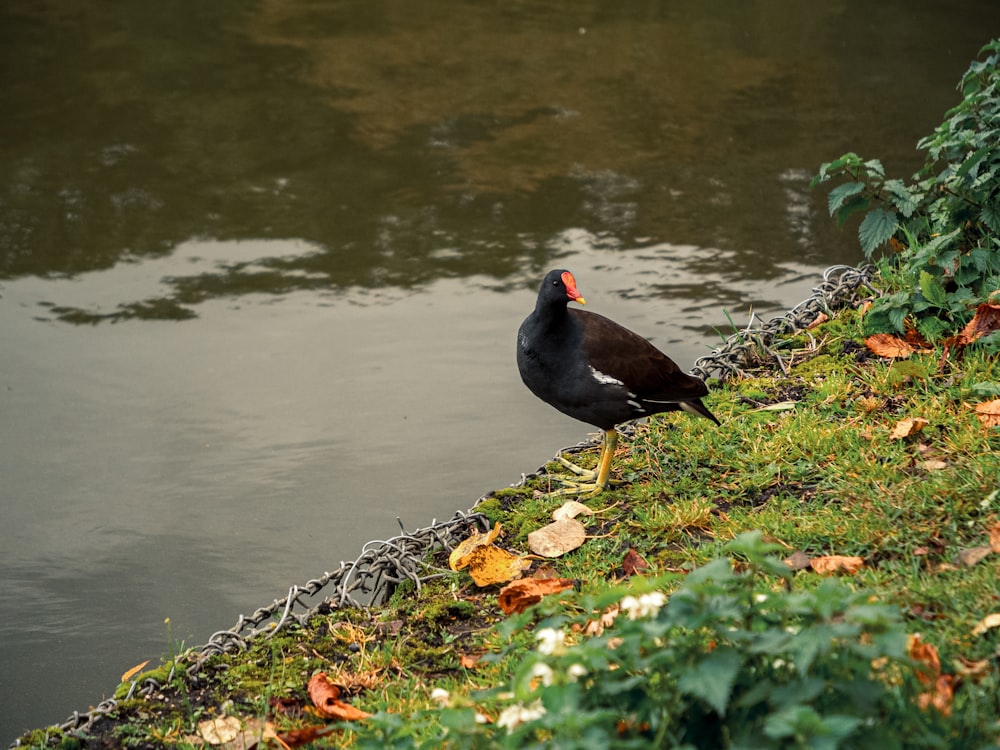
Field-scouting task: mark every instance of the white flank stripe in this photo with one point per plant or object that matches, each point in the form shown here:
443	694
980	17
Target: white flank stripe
600	377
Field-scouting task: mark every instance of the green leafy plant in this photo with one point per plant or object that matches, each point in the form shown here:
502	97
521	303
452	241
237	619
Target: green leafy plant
944	226
732	659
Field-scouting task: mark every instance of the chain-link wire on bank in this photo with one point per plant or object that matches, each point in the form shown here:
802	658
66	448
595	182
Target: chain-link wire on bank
383	564
842	286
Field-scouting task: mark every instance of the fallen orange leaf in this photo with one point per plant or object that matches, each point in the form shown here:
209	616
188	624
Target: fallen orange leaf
927	655
995	537
558	538
468	661
988	413
300	737
941	688
889	346
138	668
939	696
519	595
836	563
326	697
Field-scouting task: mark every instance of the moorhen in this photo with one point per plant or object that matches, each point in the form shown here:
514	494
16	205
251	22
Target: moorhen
597	371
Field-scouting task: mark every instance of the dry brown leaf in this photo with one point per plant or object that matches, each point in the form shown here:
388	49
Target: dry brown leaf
134	671
926	654
887	345
906	427
984	322
987	623
326	697
836	564
940	688
633	563
799	560
489	565
558	538
606	620
939	696
300	737
220	730
969	668
468	661
970	557
820	320
571	509
988	413
995	537
458	558
933	464
519	595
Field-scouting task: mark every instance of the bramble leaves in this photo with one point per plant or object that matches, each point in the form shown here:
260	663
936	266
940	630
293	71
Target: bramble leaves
944	225
876	229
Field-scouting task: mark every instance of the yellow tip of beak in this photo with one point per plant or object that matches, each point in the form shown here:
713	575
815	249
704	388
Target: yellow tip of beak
581	300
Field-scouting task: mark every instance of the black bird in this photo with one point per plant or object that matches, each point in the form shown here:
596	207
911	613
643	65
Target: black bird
597	371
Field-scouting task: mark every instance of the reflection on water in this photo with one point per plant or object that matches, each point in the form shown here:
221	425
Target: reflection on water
261	265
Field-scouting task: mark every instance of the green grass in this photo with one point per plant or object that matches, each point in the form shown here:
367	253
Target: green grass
806	459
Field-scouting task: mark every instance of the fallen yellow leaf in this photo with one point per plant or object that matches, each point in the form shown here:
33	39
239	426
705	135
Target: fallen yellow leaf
987	623
488	565
134	671
906	427
458	558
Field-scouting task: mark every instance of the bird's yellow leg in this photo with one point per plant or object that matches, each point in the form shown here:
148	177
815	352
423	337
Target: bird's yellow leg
592	481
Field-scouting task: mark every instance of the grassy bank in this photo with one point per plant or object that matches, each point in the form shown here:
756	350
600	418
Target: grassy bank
813	460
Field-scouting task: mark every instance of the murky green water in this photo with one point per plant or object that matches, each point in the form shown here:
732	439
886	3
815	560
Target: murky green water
261	265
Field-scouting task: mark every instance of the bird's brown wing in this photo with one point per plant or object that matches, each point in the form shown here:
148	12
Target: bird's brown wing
646	371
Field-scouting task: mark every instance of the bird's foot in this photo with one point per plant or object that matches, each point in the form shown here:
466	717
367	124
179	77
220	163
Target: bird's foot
589	482
585	484
578	470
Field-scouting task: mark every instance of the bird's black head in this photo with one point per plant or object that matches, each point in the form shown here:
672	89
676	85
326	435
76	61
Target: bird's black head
559	286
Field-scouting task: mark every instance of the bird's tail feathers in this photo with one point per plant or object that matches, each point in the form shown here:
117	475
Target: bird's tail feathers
698	409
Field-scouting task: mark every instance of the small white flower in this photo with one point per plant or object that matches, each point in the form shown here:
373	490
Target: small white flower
440	695
550	641
514	716
760	598
645	605
543	672
576	671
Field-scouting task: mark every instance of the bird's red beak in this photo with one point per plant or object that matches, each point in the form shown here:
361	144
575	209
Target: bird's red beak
571	291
